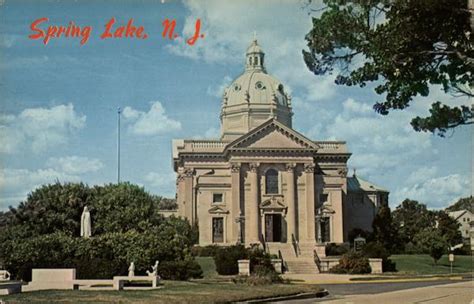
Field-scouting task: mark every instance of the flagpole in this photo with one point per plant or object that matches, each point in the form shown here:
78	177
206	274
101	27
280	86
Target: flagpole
119	110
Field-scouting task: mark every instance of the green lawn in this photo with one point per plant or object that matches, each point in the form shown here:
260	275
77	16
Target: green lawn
201	291
423	264
208	266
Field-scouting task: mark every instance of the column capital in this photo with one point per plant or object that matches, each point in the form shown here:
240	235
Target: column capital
254	167
235	167
309	168
290	167
342	172
188	172
179	178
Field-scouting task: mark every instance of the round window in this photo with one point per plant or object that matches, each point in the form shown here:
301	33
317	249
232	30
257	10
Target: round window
237	87
259	85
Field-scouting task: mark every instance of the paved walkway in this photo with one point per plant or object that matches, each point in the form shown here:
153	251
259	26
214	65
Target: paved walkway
441	294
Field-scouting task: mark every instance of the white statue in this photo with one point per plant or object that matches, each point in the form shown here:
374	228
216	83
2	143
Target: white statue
86	230
154	270
131	270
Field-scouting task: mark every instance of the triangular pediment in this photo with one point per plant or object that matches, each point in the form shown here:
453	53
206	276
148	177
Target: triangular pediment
218	210
272	135
272	203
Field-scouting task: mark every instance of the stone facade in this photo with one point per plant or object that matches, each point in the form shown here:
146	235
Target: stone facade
263	182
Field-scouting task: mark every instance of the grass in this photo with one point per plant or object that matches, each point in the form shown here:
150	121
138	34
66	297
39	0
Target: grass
423	264
194	292
208	266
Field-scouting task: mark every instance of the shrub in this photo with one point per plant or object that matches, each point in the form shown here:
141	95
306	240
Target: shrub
333	249
262	275
226	259
180	270
352	263
377	250
259	259
206	251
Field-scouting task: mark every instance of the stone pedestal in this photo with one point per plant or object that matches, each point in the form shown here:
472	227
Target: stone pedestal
244	267
277	265
376	266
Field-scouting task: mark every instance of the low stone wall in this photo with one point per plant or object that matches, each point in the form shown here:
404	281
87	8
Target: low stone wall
51	278
327	263
376	265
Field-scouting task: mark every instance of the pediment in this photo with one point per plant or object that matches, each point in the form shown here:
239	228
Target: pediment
325	210
272	203
273	135
218	210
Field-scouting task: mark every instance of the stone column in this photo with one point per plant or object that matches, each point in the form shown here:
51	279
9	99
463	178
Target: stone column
251	207
188	195
180	195
290	202
236	212
310	225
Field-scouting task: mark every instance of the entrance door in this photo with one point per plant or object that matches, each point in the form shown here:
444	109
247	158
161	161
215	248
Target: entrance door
273	227
217	230
325	230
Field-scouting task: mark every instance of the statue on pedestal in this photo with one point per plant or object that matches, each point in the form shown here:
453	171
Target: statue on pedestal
131	270
86	230
154	270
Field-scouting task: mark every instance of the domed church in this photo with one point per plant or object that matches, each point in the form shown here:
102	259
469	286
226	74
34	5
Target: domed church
265	183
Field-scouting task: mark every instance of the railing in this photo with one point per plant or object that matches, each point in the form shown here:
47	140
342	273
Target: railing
317	261
283	262
296	247
330	145
264	243
205	144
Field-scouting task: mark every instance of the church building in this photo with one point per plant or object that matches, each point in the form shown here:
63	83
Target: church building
262	182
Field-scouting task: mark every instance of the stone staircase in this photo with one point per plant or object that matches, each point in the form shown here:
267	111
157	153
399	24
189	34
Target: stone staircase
301	263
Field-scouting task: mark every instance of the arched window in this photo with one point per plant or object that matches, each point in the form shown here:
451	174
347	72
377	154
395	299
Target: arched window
271	181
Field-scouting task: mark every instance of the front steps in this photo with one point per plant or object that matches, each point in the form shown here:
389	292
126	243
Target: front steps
301	262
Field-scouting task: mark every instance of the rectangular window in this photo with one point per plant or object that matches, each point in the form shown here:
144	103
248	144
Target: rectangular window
217	198
218	230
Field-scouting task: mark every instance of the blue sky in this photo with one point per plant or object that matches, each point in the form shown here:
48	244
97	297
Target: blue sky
59	101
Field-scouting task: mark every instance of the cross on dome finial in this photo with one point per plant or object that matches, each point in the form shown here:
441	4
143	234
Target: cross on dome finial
254	35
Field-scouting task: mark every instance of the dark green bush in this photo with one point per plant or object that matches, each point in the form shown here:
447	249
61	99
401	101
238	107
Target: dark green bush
205	251
376	250
333	249
352	263
180	270
226	259
259	259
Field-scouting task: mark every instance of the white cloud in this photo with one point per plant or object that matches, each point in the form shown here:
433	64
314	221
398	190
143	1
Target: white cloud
218	91
75	164
436	192
163	182
377	142
153	122
15	184
281	35
39	128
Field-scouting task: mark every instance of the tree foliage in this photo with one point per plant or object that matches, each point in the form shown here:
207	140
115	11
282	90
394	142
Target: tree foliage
465	203
432	242
384	231
44	230
402	46
411	216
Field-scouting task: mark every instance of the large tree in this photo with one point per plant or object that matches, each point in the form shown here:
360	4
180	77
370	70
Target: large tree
465	203
410	217
405	47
